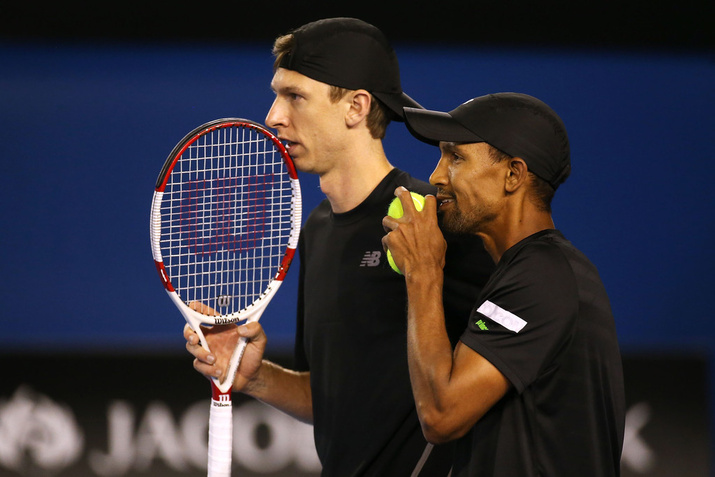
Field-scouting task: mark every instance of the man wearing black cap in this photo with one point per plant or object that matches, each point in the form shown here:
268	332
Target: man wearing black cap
535	385
337	87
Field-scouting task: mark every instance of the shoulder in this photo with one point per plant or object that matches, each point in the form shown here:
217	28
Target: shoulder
404	179
545	250
538	270
318	215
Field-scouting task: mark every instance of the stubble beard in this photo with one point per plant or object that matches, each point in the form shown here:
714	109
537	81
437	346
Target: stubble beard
456	221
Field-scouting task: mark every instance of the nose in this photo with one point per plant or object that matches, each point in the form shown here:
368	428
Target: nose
439	176
275	117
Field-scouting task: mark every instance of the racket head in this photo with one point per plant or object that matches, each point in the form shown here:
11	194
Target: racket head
225	221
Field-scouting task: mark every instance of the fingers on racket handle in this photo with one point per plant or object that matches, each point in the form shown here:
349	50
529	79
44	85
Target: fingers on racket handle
220	435
233	363
240	348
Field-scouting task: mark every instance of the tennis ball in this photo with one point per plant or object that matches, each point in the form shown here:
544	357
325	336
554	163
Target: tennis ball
391	261
395	211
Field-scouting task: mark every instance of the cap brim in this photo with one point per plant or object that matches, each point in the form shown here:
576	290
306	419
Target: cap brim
396	103
435	126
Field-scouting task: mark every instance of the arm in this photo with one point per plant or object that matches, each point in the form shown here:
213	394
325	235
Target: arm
286	390
452	390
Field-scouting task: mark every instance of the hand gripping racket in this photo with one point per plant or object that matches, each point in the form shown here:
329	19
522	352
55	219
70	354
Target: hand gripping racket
225	220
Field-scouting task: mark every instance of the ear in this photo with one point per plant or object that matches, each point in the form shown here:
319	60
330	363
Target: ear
360	103
517	174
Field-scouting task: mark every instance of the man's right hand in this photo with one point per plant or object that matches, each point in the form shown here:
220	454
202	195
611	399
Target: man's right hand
222	341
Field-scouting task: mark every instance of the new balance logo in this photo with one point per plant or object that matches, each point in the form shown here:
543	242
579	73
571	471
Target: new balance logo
371	259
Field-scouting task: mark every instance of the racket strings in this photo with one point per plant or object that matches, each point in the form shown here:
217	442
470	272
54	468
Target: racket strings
226	218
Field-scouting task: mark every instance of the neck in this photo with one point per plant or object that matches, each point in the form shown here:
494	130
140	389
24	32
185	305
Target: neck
500	237
354	178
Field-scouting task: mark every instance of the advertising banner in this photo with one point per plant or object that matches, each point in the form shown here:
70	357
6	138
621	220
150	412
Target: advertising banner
147	415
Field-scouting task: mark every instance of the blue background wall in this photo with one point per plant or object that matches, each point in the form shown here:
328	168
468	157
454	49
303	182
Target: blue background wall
84	131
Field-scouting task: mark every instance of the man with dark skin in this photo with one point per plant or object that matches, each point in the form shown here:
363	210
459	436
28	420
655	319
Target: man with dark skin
535	385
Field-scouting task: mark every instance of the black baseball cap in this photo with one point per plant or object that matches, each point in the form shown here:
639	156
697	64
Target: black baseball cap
517	124
349	53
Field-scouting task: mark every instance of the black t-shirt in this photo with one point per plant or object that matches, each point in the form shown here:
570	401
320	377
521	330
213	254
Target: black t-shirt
351	336
544	320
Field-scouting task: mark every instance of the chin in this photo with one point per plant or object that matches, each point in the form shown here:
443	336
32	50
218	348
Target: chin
456	223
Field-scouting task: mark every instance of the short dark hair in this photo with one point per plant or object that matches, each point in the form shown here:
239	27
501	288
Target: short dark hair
378	118
540	191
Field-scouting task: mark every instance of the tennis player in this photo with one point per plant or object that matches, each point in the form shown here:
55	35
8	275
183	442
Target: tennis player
337	87
535	385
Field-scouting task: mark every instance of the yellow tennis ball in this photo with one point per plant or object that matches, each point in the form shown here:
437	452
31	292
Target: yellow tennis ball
391	261
395	211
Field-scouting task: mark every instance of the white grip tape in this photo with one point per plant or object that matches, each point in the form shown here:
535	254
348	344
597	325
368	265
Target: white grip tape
220	439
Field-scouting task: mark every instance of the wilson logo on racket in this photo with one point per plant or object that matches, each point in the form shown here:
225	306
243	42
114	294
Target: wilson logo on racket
223	400
222	301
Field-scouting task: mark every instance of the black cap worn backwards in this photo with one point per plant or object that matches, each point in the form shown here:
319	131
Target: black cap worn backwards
517	124
351	54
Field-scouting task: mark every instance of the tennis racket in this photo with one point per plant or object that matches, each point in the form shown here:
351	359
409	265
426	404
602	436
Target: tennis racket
225	220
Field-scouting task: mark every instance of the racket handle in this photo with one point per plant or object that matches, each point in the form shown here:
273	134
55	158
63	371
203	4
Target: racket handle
220	433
